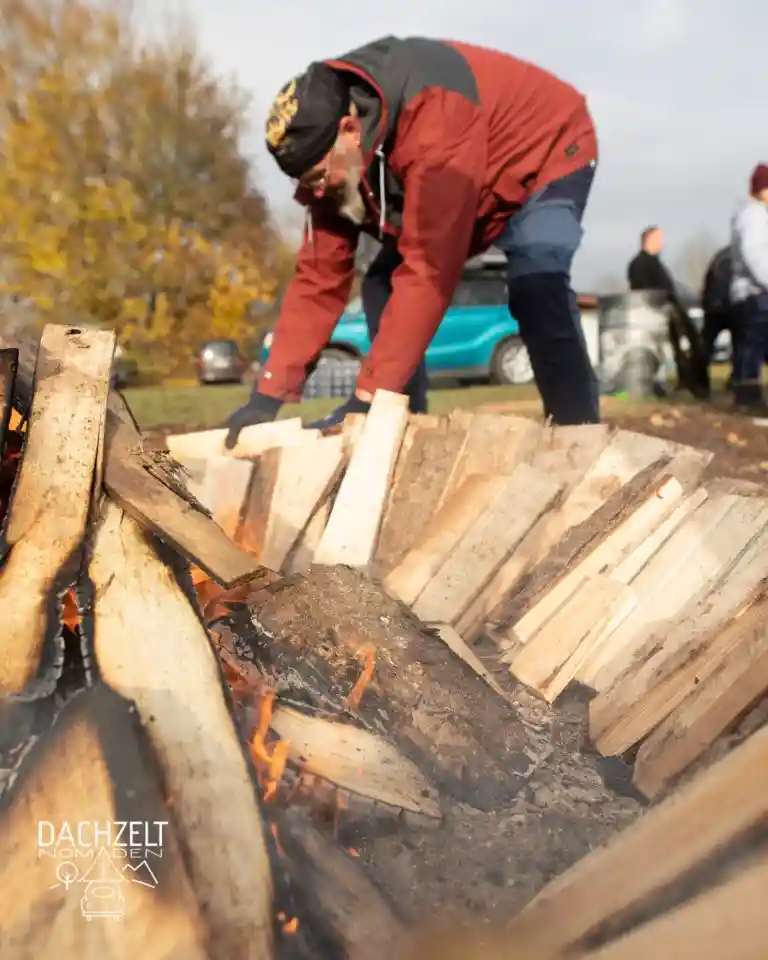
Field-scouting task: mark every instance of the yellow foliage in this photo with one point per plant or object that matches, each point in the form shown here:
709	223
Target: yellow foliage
124	197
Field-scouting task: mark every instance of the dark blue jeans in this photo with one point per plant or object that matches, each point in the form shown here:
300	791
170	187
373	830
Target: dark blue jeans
750	341
540	242
376	291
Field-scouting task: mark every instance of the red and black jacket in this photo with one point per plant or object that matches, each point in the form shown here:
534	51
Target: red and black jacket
456	138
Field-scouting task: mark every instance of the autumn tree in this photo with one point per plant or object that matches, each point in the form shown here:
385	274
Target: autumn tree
125	197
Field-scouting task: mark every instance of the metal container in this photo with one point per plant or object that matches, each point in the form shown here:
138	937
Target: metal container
634	350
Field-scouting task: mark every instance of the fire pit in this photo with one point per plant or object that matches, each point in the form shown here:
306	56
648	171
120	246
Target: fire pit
282	734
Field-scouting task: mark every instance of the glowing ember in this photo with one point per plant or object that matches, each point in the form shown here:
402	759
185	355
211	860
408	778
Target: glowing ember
288	926
216	601
69	613
356	694
16	422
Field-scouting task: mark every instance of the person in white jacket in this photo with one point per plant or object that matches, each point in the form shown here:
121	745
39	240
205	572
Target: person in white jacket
749	295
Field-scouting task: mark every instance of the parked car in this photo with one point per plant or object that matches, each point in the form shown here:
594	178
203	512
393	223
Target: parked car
478	339
220	361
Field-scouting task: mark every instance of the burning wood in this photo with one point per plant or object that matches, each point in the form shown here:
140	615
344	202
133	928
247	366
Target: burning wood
150	646
340	896
344	755
355	760
305	635
88	593
274	724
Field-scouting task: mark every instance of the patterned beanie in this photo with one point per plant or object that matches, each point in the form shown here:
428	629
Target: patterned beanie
303	122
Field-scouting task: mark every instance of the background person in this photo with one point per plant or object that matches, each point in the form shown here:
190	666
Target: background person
647	272
749	294
716	303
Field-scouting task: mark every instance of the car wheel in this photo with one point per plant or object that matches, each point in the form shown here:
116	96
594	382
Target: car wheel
511	364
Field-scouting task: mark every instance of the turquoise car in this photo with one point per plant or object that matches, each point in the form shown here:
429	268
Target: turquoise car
478	339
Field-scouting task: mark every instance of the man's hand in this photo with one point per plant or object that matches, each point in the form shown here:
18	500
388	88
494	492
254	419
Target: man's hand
259	409
353	405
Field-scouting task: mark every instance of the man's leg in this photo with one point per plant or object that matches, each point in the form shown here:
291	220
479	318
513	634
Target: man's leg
761	347
540	242
749	350
715	321
377	289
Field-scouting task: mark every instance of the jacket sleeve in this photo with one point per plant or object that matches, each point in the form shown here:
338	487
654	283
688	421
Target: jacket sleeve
313	303
442	155
754	244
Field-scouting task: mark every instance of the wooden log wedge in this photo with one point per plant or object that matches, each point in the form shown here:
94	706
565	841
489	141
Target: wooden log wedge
152	648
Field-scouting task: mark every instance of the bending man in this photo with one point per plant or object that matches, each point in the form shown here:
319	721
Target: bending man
438	150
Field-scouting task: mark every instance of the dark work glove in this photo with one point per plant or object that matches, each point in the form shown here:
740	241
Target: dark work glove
352	405
259	409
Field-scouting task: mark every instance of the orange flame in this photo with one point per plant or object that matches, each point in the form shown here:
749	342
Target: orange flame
356	693
70	615
270	764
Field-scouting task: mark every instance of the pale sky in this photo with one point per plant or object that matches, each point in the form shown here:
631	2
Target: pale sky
678	90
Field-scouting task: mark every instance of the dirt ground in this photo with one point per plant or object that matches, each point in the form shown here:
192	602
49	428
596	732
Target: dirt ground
490	864
739	444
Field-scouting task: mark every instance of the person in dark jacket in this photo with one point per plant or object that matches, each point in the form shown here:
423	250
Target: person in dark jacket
716	300
647	272
439	150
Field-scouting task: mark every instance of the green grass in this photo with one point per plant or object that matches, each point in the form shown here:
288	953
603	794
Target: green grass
195	407
202	407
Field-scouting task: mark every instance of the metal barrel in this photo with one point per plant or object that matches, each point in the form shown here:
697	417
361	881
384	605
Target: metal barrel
633	342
